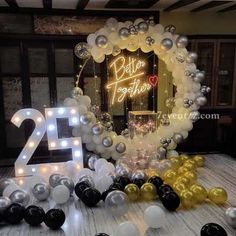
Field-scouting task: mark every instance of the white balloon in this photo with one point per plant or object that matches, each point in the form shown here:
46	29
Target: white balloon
127	229
154	217
82	109
91	39
60	194
172	153
84	100
70	102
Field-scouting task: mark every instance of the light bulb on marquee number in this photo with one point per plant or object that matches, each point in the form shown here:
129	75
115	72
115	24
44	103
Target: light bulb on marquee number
54	143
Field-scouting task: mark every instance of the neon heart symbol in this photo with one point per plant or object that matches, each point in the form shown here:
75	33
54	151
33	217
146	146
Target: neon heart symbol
153	79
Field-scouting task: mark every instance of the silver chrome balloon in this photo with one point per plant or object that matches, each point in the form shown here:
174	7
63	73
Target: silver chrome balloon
107	141
97	129
230	216
199	76
191	57
178	138
143	27
91	161
76	92
101	41
166	44
20	196
53	179
201	100
68	183
85	119
139	174
41	191
120	147
182	42
124	33
4	203
4	183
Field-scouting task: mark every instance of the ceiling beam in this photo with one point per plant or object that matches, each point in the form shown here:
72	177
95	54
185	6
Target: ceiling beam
119	14
12	3
131	4
179	4
227	9
47	4
82	4
210	5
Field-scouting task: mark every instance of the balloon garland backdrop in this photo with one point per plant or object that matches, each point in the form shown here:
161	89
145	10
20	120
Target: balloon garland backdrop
169	47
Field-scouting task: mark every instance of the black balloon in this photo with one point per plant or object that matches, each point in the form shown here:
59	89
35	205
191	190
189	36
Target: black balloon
212	229
55	218
14	213
170	201
123	181
34	215
102	234
91	197
138	182
80	187
157	181
164	188
116	186
106	192
1	216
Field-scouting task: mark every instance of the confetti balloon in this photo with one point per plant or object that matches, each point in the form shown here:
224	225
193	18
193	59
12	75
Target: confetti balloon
218	195
187	199
132	191
82	50
154	217
116	203
199	192
148	191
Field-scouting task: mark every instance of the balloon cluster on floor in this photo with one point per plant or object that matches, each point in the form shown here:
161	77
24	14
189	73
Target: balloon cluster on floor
169	47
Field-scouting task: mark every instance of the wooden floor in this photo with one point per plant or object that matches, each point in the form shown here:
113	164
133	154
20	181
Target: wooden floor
220	170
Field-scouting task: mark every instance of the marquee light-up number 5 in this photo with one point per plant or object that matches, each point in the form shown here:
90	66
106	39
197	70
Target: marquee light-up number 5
41	125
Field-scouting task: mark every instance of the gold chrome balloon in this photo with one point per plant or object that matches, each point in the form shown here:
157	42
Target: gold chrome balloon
132	191
148	191
184	157
187	199
191	161
170	176
182	170
189	166
179	187
218	195
182	179
199	192
176	162
191	175
200	160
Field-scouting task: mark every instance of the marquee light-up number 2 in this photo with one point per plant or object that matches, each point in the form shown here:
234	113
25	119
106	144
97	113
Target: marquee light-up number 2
41	125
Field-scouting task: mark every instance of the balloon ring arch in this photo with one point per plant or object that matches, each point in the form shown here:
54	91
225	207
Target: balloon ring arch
170	48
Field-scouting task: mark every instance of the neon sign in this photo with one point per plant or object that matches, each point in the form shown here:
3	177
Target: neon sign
127	80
